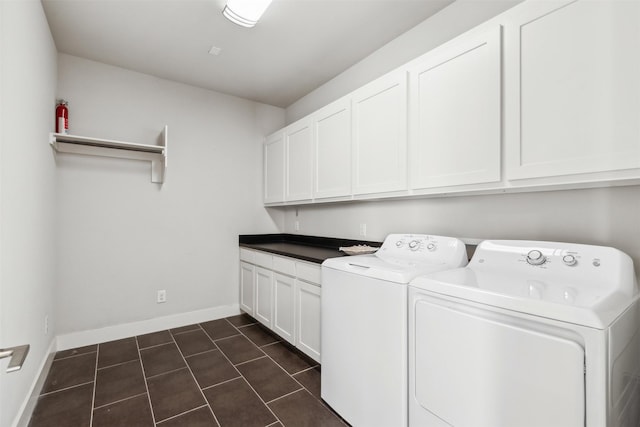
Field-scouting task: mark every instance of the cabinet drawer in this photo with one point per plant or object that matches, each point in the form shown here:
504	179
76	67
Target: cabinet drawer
308	272
247	255
263	260
284	265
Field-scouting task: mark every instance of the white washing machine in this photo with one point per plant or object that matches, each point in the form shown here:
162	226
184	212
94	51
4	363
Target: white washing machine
533	334
364	325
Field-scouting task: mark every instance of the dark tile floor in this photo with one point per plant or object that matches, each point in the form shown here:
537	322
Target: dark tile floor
227	372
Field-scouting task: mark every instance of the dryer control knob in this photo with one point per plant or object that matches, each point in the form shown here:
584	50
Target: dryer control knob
535	257
569	260
414	245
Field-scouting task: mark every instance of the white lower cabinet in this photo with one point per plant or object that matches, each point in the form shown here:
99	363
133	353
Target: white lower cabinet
283	294
247	287
264	296
308	319
284	303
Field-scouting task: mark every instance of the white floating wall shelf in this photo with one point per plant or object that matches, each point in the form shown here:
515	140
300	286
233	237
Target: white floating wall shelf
156	154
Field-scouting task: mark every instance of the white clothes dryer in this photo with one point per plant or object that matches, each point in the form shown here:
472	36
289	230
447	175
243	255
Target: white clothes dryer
364	325
529	334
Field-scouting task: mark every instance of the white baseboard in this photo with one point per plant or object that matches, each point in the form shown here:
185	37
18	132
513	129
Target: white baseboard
116	332
24	415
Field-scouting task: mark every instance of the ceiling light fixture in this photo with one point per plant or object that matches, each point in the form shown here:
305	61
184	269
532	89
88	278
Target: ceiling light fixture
245	12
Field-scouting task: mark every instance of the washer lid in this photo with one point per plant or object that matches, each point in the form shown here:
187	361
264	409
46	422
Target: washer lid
402	257
390	269
591	287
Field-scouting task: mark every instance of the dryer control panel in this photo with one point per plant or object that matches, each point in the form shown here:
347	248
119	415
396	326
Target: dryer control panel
564	272
424	248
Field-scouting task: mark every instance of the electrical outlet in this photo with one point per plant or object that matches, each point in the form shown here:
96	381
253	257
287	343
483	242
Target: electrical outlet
46	324
162	296
297	225
363	230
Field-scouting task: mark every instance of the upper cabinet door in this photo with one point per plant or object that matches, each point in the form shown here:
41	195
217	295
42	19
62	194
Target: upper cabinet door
380	135
455	110
332	132
573	94
274	168
299	164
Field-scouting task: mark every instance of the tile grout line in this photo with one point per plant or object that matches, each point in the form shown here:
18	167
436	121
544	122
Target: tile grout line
251	360
165	372
250	386
74	355
285	369
184	359
223	382
95	383
185	332
222	338
226	338
288	394
120	363
146	386
182	413
202	352
65	389
118	401
155	345
306	369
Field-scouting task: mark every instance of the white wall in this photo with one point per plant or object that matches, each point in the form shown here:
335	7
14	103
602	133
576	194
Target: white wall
453	20
604	216
27	195
121	237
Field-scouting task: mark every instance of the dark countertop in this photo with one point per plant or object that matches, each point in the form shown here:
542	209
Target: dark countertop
307	248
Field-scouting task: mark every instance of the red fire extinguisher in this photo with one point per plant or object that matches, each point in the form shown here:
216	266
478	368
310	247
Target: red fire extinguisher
62	117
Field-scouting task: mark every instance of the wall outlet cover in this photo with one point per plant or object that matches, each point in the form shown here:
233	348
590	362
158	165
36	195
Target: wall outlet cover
162	296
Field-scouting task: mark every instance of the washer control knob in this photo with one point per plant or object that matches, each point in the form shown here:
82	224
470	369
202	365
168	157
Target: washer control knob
569	260
399	243
431	246
535	257
414	245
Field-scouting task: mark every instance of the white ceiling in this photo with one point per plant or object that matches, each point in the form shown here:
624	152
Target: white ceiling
297	46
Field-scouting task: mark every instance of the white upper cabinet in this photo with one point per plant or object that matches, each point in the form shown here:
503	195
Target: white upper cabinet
299	149
455	112
573	93
332	150
380	135
274	168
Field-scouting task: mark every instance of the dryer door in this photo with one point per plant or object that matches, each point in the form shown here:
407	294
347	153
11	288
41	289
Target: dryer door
475	369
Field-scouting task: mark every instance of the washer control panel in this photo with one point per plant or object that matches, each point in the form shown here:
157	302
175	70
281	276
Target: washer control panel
410	242
535	257
422	247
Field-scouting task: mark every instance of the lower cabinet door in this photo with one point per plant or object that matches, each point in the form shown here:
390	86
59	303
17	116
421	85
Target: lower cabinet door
264	296
247	288
308	319
284	303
